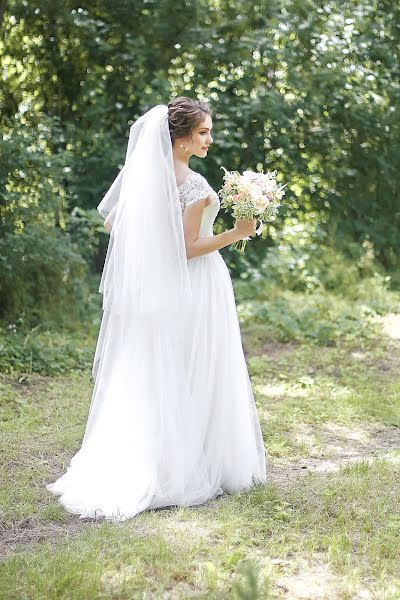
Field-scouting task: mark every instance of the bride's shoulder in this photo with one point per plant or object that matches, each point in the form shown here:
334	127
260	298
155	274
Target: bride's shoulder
199	178
193	180
195	187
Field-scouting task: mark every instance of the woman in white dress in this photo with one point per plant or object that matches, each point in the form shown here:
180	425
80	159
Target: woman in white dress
172	419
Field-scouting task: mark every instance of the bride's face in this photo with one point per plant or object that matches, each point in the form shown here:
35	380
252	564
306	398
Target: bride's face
201	139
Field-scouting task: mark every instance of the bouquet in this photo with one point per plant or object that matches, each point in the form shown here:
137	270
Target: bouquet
251	195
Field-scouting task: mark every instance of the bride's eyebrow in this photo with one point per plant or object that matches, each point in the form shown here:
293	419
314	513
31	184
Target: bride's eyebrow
207	128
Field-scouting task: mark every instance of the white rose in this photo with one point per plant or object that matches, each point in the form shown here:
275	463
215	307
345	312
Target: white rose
256	192
261	203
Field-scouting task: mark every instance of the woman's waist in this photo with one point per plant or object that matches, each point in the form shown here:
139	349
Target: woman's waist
214	254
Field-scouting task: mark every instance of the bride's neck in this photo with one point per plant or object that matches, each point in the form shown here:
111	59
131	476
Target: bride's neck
180	159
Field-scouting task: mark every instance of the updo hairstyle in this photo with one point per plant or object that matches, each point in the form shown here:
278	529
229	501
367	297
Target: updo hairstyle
184	115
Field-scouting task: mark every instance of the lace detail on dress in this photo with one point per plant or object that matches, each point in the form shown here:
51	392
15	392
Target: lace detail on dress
194	188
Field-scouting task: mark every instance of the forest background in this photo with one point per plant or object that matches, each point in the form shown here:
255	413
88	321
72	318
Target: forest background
308	89
304	87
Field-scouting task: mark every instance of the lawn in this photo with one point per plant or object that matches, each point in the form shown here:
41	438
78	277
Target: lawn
326	525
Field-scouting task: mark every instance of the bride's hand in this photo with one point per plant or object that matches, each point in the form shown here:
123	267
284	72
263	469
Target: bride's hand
245	227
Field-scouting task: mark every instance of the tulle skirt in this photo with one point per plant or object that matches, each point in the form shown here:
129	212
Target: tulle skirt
172	420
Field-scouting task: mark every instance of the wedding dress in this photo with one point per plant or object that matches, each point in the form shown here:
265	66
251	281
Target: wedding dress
174	420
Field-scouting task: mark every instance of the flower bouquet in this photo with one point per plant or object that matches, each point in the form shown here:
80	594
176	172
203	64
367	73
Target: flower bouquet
251	195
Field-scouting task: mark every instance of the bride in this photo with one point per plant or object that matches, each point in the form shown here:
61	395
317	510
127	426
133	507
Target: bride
172	419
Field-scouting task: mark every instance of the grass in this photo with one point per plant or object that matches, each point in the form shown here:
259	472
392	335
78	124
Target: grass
325	526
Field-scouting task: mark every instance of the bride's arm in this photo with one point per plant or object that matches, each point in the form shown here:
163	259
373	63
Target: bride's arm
198	246
108	223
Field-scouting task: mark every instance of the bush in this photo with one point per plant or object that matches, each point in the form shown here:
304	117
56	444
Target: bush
41	275
302	261
319	318
44	352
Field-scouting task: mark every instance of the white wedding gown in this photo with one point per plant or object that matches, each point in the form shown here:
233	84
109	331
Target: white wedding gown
136	455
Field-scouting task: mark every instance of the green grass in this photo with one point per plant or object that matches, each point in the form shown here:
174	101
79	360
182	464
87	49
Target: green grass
325	526
314	386
48	424
347	523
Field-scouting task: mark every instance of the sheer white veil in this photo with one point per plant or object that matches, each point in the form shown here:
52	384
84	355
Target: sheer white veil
146	263
145	273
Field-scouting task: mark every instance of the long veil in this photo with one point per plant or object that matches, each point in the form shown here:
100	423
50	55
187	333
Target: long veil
146	266
145	274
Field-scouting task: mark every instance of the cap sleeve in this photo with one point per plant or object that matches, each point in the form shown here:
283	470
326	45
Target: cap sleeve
195	188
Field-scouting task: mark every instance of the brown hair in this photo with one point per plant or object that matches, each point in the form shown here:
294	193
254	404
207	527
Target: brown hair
184	115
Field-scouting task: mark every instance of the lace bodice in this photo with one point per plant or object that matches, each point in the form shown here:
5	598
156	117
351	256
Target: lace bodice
194	188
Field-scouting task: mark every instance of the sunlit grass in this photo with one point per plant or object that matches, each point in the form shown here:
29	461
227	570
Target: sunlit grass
325	524
347	523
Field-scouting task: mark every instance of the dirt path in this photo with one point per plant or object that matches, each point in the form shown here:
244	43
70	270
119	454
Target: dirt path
341	445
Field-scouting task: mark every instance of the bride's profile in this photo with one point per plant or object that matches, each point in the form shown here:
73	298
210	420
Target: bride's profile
172	419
